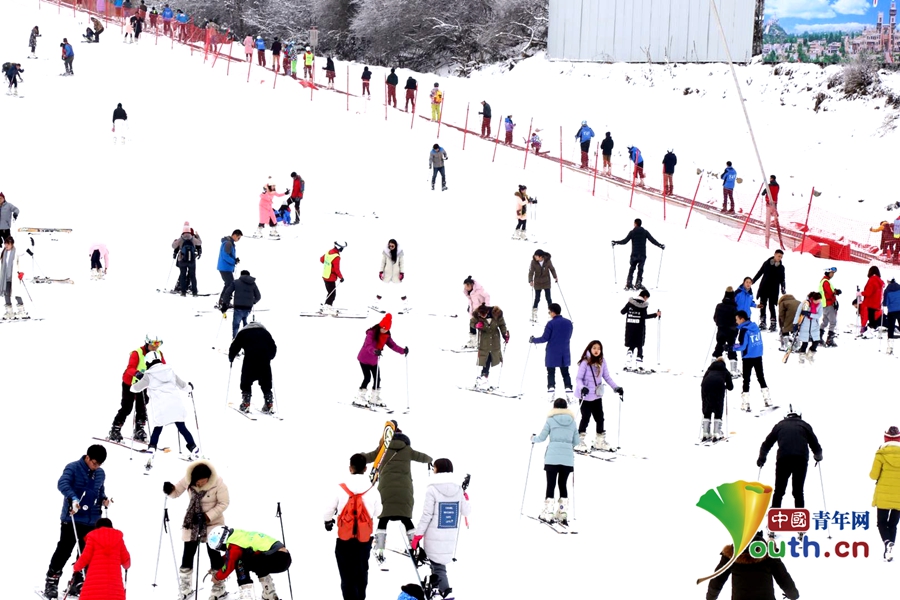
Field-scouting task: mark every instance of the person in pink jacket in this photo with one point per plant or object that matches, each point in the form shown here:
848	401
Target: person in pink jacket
96	252
476	296
369	357
266	212
249	45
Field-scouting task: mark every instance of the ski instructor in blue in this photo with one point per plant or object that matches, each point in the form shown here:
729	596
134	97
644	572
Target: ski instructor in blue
557	336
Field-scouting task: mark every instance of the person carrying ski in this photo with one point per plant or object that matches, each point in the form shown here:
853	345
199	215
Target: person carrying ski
187	250
508	125
485	113
8	212
32	40
259	351
228	260
886	473
729	178
522	202
584	135
366	78
638	237
771	207
476	296
795	439
788	306
249	552
98	252
9	266
669	162
411	88
260	51
166	402
892	319
103	559
395	486
592	372
752	577
438	529
726	329
634	154
436	159
13	76
749	344
246	295
369	357
84	496
636	316
772	274
491	328
714	387
606	148
559	460
208	501
539	273
330	72
330	275
392	270
870	301
352	554
806	326
120	123
437	99
391	82
266	212
558	336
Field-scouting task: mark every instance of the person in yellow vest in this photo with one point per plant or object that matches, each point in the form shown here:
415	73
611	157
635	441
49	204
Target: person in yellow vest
330	275
308	60
437	97
247	551
135	370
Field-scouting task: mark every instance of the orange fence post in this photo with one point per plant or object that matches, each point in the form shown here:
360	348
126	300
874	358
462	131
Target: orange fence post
230	48
530	125
441	115
596	162
664	192
633	178
750	214
312	79
415	100
691	209
58	9
496	143
806	222
466	126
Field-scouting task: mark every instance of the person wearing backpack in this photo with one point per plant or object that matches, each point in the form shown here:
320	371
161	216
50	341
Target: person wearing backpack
187	250
355	504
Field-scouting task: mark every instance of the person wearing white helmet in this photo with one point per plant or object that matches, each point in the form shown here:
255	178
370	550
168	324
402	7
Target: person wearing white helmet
248	551
309	60
830	304
137	365
261	51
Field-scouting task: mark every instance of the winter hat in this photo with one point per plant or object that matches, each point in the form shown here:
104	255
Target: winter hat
245	272
186	228
729	293
892	434
339	247
413	590
386	322
119	105
523	187
201	471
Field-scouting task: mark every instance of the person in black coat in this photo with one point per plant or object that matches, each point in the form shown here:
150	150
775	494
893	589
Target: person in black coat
410	87
752	578
795	438
669	162
486	119
713	388
638	238
366	77
726	329
635	325
772	274
392	81
246	295
259	350
606	148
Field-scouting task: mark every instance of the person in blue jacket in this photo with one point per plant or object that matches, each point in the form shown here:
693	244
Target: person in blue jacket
584	136
743	297
729	178
557	335
167	15
634	154
750	345
559	459
68	56
84	495
227	261
182	20
261	51
892	319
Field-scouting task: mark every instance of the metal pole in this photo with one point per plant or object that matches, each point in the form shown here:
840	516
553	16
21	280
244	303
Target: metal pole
633	178
228	385
563	296
496	142
658	338
406	356
284	541
664	192
560	155
527	473
615	277
659	273
162	527
524	371
196	420
441	115
619	431
594	189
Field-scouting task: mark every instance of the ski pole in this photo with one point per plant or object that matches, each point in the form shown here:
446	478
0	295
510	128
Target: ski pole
822	483
166	283
659	274
30	299
200	517
196	420
563	296
228	385
162	527
375	384
573	494
133	427
284	541
658	338
709	349
615	277
527	473
524	371
727	431
172	545
619	431
407	381
500	370
219	330
77	544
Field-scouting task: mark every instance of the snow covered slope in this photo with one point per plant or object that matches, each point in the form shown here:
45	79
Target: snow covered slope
202	144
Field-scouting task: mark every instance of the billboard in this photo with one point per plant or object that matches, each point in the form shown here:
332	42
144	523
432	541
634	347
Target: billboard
649	30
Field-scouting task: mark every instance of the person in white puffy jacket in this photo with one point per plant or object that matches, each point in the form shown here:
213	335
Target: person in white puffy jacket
392	266
438	529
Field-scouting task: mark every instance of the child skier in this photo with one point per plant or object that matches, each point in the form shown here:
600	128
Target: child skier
369	357
103	559
592	372
636	328
726	330
751	348
535	143
509	126
491	328
392	270
559	459
806	326
714	387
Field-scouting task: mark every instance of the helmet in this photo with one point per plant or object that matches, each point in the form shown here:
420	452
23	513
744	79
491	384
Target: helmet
584	123
152	358
307	48
793	410
436	84
150	339
831	270
217	537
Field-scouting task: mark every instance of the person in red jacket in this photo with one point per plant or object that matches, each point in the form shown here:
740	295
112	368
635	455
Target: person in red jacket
772	207
134	371
330	275
297	195
829	302
870	301
104	557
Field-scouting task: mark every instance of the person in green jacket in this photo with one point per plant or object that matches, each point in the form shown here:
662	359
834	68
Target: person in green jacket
396	487
886	472
247	551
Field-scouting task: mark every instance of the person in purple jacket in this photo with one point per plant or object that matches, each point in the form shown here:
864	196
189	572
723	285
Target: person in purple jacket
369	357
557	335
592	372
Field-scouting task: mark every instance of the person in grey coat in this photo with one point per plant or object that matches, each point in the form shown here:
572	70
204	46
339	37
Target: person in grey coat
9	269
436	159
8	212
246	295
559	459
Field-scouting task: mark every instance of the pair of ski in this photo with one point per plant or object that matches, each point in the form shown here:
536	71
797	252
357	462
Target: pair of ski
404	311
642	371
48	280
599	454
139	446
174	293
248	415
710	441
340	314
346	214
557	526
20	320
491	391
371	408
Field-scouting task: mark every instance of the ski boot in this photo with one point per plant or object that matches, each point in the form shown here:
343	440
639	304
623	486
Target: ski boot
734	368
185	577
51	584
767	399
717	430
245	403
801	356
268	588
482	383
443	187
259	232
218	590
376	398
515	235
888	551
562	511
829	341
268	404
273	233
9	313
380	539
570	397
745	401
581	447
139	434
600	443
890	347
773	325
551	392
193	452
629	360
534	315
523	236
629	287
549	510
811	356
639	285
432	187
784	340
247	592
361	399
149	465
639	363
76	584
705	430
115	434
472	341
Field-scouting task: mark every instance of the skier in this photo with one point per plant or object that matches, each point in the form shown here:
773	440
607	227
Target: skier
606	148
392	268
137	363
795	439
870	301
669	162
266	213
536	143
154	18
788	306
104	557
829	302
411	88
246	295
750	345
369	357
744	296
485	113
395	486
187	250
308	59
753	577
208	501
557	335
539	273
129	31
352	554
729	178
638	237
68	56
436	159
276	53
246	552
297	189
366	78
886	473
593	370
771	207
260	51
807	330
437	98
227	261
559	459
584	135
120	121
9	265
726	329
167	15
714	387
509	126
438	529
636	328
259	351
476	296
137	23
289	61
8	212
634	154
330	275
98	269
892	320
330	72
82	487
249	45
391	82
772	274
522	202
32	40
13	76
491	328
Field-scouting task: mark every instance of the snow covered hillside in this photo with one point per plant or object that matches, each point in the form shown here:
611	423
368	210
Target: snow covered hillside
200	147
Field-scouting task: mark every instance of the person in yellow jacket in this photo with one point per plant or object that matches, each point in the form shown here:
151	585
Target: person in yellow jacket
886	473
437	98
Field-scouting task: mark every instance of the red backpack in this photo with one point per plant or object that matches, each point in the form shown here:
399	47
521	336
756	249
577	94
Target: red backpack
354	522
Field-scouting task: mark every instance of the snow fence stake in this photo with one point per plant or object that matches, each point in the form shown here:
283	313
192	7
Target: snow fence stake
691	209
